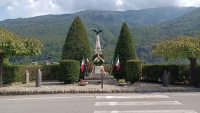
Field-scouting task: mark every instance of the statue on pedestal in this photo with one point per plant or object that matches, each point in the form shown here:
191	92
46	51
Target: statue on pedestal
98	58
98	46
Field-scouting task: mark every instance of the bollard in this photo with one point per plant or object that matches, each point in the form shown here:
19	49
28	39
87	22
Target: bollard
38	78
27	77
165	78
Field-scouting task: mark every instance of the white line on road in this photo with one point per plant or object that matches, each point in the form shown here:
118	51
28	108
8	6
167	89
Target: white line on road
43	98
139	103
149	111
134	96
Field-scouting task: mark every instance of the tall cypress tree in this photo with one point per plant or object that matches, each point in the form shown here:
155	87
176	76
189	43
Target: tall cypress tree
125	49
76	43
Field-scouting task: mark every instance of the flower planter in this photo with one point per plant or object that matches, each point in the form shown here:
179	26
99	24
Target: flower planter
83	83
122	84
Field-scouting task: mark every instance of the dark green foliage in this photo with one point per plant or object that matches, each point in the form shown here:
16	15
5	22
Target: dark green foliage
133	70
178	73
126	50
11	74
197	76
150	73
76	43
16	73
50	72
69	71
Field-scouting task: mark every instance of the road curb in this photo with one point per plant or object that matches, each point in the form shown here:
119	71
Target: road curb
35	92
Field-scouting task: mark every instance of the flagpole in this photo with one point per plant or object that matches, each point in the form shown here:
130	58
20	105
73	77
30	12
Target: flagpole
111	66
86	68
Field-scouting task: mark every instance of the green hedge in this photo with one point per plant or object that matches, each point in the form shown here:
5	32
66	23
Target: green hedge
16	73
11	74
153	73
150	73
50	72
69	71
134	70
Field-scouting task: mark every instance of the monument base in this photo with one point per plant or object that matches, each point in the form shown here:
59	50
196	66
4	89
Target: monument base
98	70
95	76
96	79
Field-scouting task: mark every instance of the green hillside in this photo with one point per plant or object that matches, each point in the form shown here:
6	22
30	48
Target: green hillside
52	29
187	24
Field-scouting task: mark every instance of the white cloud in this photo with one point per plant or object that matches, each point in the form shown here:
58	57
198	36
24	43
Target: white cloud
187	3
119	2
9	8
29	8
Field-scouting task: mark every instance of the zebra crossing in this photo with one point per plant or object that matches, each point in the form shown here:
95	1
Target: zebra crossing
152	111
104	101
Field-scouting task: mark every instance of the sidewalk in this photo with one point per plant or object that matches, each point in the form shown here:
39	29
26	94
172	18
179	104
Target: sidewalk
55	87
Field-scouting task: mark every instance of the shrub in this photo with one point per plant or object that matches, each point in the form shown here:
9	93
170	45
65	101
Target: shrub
178	73
134	70
125	49
11	74
69	71
76	43
122	81
50	72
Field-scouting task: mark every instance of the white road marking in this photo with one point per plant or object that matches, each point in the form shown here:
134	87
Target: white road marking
43	98
138	103
149	111
134	96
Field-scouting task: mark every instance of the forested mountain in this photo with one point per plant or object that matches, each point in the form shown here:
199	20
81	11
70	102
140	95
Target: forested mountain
187	24
157	24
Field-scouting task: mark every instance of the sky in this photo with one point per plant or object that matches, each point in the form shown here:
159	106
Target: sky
11	9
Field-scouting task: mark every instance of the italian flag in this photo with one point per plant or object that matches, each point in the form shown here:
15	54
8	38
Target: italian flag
83	64
88	63
117	63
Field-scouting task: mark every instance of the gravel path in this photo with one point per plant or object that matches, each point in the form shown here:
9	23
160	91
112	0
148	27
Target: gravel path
57	87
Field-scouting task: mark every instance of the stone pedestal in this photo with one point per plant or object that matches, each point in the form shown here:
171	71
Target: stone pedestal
97	69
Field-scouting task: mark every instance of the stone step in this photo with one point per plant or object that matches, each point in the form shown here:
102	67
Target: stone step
97	76
98	82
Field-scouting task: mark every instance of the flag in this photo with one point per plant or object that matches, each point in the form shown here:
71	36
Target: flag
88	63
117	63
83	64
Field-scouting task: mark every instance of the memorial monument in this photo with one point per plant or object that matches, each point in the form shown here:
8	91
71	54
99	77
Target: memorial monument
98	72
97	58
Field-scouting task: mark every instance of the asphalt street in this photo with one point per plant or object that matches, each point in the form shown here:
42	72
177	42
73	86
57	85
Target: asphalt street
102	103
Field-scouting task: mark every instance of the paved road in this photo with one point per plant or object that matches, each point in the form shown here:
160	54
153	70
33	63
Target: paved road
102	103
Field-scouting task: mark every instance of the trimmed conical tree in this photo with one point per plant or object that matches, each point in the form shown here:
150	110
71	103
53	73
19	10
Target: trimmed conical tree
76	44
125	49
